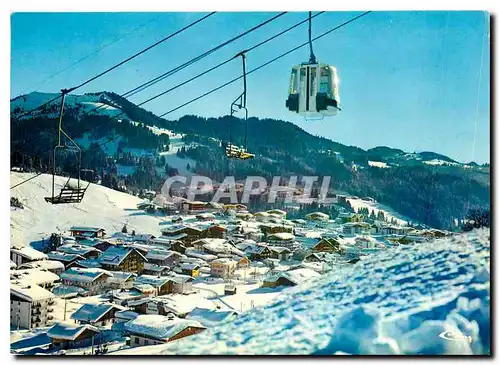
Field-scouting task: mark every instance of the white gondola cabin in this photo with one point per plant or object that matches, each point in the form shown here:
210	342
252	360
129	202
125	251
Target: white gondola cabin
314	90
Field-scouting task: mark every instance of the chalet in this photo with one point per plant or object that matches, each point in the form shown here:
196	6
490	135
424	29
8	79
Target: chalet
151	329
81	232
40	277
125	296
31	306
318	216
223	267
327	245
66	336
65	258
180	232
272	228
121	258
85	264
205	217
258	252
153	269
23	254
242	262
280	253
190	269
161	284
163	257
88	252
216	231
100	244
194	253
289	278
192	206
53	266
124	316
282	239
313	257
218	246
100	315
182	284
92	280
178	246
121	280
352	228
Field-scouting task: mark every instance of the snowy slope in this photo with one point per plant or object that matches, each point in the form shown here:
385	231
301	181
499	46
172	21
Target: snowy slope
397	302
389	213
101	207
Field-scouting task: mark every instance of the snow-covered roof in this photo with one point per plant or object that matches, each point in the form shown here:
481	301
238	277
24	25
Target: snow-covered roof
189	266
64	257
28	252
69	331
279	249
91	312
156	268
220	245
155	281
210	317
78	249
159	327
126	314
35	276
283	236
318	216
85	229
43	264
77	274
296	276
121	277
29	291
160	254
114	256
89	263
192	252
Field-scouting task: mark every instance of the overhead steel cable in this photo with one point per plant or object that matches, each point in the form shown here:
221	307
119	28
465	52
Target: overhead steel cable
124	61
226	84
166	74
178	68
265	64
117	39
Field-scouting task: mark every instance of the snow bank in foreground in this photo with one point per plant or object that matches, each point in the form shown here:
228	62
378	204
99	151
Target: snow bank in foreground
397	302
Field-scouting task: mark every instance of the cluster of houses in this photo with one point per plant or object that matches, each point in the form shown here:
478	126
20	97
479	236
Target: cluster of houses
145	278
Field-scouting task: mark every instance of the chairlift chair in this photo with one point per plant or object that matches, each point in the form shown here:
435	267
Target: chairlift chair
68	194
232	151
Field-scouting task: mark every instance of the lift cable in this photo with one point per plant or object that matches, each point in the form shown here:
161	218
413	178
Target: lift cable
117	39
221	86
198	75
265	64
122	62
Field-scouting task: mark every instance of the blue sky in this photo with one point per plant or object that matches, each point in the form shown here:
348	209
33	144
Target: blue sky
409	80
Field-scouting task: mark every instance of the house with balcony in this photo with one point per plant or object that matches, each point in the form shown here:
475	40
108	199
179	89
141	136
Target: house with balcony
67	335
83	232
31	306
120	258
153	329
94	281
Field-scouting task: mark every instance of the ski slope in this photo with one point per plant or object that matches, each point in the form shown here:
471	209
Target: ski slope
101	207
432	299
389	213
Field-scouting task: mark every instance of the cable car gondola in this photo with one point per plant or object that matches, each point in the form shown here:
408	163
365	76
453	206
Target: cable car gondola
314	88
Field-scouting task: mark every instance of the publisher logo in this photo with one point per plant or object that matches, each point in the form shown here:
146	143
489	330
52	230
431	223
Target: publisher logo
451	336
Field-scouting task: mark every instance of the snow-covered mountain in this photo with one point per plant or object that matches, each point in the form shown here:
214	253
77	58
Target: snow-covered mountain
101	207
427	299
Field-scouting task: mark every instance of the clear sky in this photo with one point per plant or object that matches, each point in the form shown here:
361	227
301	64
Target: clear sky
409	80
